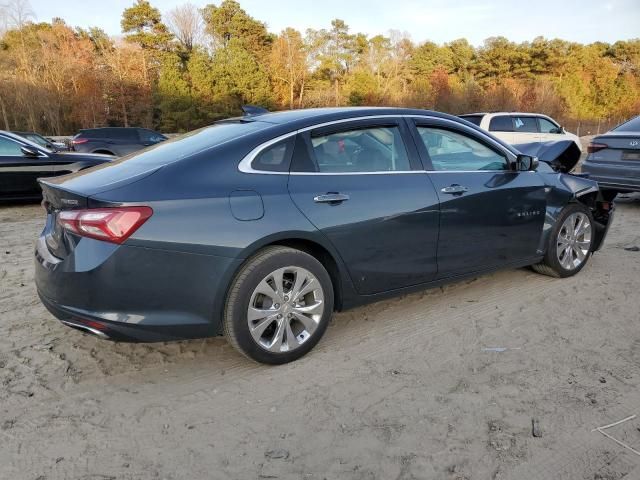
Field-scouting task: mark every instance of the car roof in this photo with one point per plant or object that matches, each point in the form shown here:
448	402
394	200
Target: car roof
520	114
311	116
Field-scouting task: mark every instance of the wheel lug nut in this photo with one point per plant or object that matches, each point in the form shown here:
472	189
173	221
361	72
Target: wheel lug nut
279	316
277	305
286	299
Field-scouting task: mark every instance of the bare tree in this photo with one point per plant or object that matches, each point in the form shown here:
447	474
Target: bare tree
185	22
15	13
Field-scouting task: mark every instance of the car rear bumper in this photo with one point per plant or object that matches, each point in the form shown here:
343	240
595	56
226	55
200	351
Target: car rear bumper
614	177
132	293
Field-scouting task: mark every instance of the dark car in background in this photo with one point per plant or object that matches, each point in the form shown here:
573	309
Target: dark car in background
260	227
614	158
43	141
23	162
116	141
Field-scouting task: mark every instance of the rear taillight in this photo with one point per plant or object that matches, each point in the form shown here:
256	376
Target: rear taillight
78	141
595	147
113	225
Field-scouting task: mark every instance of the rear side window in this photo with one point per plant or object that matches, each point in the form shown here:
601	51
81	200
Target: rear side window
632	125
453	151
275	158
375	149
502	123
123	134
525	124
475	119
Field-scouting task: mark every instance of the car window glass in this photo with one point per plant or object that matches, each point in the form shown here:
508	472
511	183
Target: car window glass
449	150
150	136
124	134
502	123
475	119
547	127
525	124
376	149
275	158
632	125
10	148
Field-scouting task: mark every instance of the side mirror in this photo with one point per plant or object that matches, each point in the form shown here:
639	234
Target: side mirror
29	152
526	163
558	130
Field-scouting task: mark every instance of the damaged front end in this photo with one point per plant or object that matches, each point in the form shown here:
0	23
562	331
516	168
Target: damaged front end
562	157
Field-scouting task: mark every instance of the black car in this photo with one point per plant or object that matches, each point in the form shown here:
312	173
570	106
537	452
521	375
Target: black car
42	141
22	162
117	141
614	158
260	227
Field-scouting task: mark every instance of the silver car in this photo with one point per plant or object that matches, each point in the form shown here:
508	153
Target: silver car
614	158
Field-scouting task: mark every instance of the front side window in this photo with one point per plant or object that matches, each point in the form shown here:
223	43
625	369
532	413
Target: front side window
375	149
547	127
9	148
453	151
525	124
503	123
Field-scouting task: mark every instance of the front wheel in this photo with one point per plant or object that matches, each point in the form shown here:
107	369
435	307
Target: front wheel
278	306
570	243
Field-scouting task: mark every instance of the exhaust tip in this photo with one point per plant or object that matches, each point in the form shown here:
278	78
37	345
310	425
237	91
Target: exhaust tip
85	328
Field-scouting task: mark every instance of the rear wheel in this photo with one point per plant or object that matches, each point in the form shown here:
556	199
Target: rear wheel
570	243
278	306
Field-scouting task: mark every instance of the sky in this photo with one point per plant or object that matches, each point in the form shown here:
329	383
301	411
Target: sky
436	20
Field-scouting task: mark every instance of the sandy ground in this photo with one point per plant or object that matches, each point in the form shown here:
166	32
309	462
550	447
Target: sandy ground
401	389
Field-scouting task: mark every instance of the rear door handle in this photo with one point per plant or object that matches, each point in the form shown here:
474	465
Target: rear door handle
331	198
454	189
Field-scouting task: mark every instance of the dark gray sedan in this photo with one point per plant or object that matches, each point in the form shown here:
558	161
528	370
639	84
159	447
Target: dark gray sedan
614	158
260	227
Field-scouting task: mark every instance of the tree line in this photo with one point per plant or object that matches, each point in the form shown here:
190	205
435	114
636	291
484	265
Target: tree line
194	66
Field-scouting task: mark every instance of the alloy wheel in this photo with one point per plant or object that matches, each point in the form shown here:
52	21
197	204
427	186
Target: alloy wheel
285	309
574	241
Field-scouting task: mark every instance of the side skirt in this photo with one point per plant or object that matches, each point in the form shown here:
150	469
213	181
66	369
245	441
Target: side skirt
358	300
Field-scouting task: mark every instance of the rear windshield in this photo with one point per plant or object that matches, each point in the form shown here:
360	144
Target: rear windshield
192	143
475	119
632	125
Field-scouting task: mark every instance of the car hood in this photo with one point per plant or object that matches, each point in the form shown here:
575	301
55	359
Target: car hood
561	155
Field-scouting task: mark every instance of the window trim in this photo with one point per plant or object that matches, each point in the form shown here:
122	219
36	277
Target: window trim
245	165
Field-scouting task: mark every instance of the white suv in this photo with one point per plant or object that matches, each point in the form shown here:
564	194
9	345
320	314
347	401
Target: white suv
517	128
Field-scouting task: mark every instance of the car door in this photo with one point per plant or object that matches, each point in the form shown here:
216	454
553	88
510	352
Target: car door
501	126
19	172
361	184
525	129
490	215
549	131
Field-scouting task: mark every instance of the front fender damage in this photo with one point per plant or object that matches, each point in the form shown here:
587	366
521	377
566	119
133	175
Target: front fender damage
600	203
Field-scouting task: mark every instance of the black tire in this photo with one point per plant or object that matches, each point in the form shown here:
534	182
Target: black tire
255	269
551	265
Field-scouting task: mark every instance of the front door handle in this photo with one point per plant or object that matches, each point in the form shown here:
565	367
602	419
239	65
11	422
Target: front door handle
455	189
331	198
